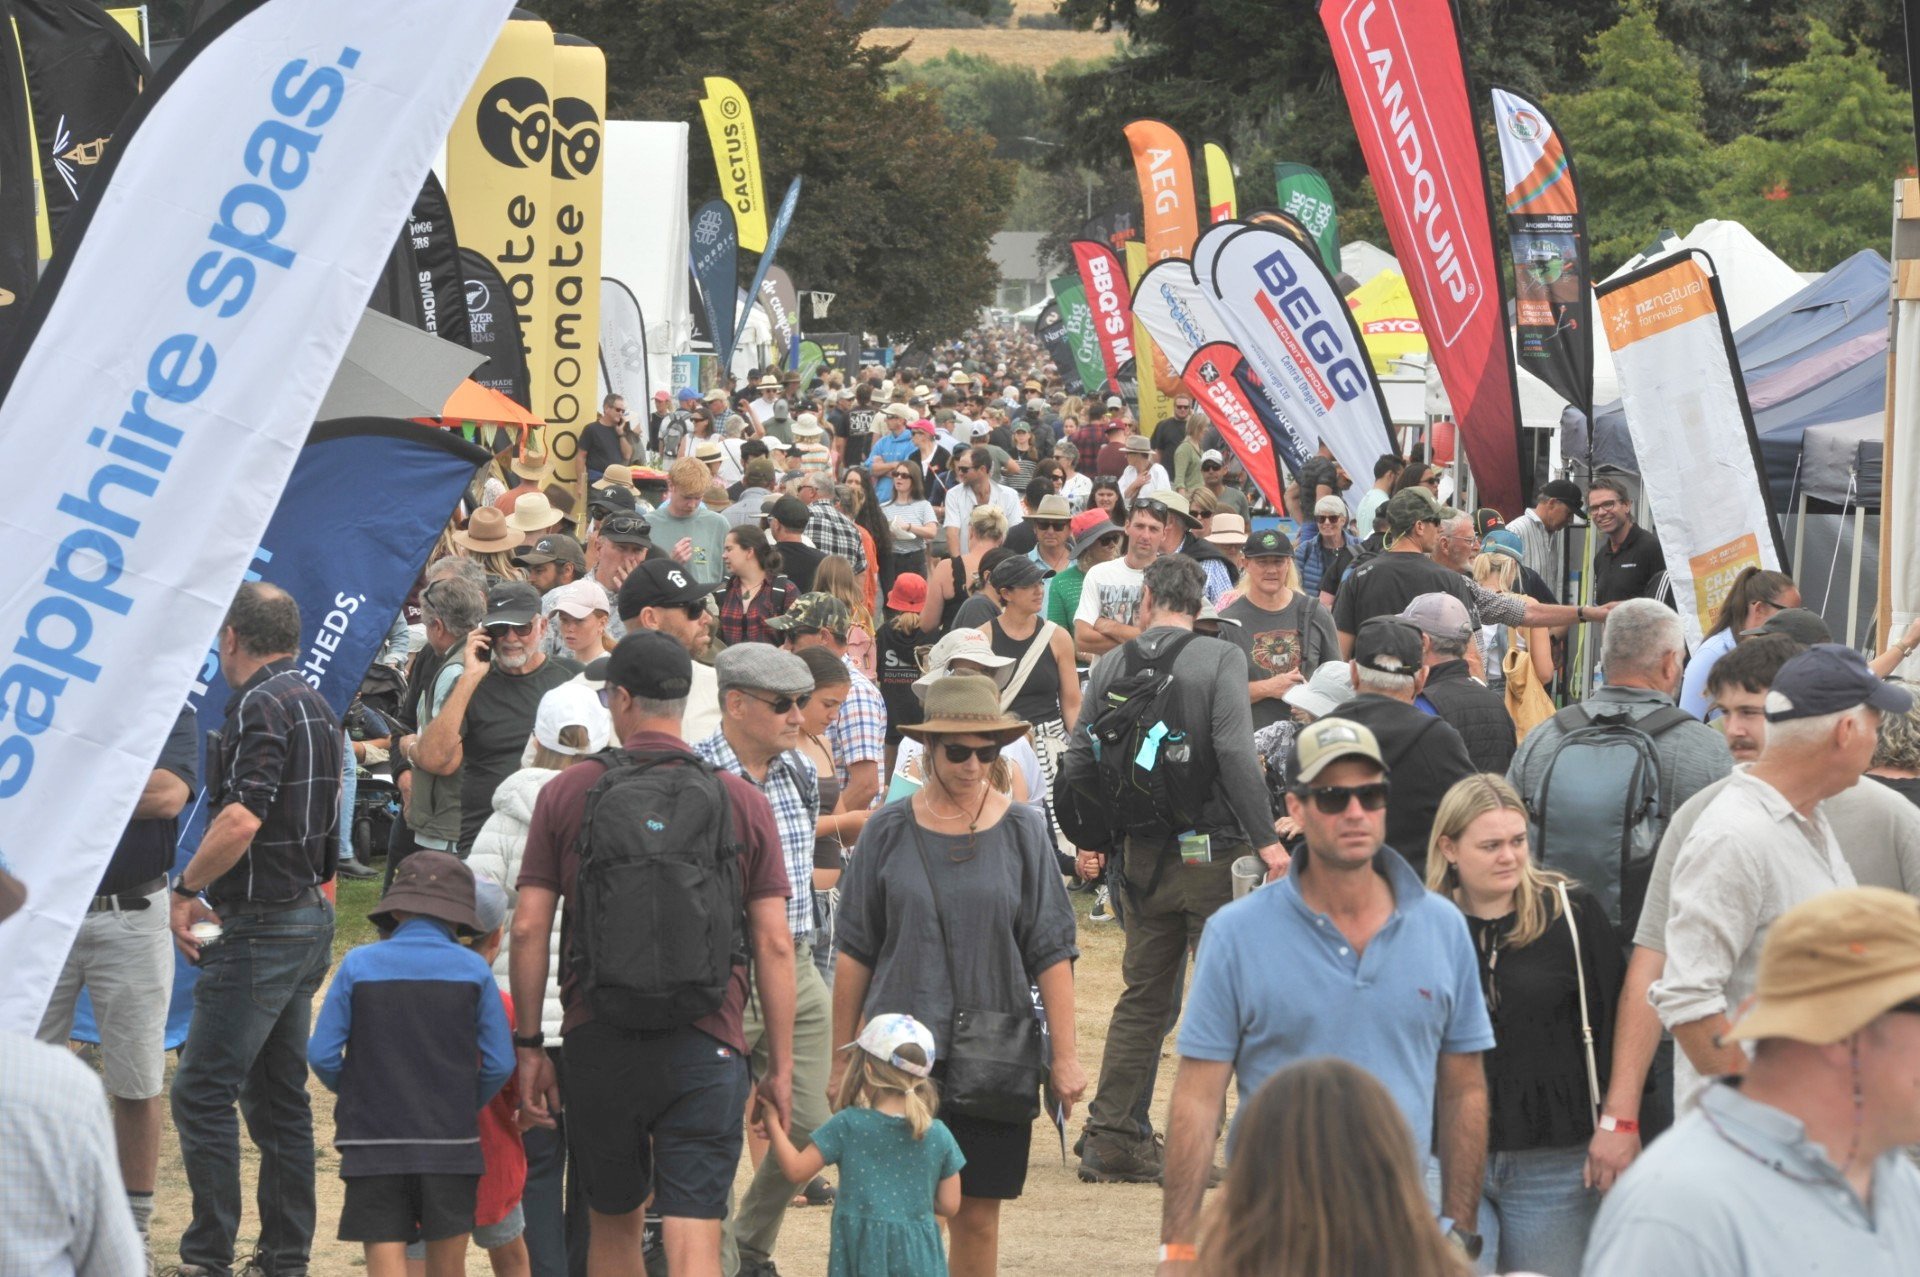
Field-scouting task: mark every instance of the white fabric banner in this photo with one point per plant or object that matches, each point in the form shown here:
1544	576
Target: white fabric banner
178	355
1176	312
1900	483
645	246
1680	391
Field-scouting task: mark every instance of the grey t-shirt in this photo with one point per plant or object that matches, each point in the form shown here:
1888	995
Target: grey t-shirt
1297	637
1005	912
707	529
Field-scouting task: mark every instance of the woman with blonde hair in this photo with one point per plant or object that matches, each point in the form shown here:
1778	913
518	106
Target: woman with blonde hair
835	576
1187	476
953	581
1497	568
488	541
1551	969
1324	1182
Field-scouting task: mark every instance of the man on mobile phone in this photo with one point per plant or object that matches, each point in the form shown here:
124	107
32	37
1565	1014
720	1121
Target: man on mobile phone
608	439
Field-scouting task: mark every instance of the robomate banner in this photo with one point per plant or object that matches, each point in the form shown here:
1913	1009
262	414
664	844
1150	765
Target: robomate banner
579	96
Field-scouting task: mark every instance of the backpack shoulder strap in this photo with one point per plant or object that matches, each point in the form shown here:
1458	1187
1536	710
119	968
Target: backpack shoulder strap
1664	719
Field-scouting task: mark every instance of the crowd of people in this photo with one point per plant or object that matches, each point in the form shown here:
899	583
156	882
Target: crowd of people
744	798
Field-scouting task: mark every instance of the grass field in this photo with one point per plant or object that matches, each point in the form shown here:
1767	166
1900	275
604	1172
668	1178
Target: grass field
1015	46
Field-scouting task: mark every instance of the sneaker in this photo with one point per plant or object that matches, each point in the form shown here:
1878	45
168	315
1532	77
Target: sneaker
1105	1160
355	870
1102	910
758	1268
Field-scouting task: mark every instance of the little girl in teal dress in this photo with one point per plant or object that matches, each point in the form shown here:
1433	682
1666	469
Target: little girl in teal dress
899	1165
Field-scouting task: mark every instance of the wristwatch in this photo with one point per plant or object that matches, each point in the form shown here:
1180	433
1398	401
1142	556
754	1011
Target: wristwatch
181	889
1470	1244
532	1042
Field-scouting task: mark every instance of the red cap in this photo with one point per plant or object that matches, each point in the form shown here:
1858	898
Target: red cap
909	592
1088	519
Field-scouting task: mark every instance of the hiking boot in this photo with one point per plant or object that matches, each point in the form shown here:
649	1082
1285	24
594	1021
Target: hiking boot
1106	1160
355	870
1102	910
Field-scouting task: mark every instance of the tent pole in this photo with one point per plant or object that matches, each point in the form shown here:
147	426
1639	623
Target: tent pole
1853	588
1800	534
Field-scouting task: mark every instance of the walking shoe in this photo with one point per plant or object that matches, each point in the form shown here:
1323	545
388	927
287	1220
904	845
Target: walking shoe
355	870
1105	1160
758	1268
1102	910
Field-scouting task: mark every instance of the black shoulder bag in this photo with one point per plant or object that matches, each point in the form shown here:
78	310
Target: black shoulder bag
995	1063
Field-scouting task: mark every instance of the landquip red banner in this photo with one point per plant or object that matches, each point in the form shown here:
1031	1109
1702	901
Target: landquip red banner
1111	302
1406	86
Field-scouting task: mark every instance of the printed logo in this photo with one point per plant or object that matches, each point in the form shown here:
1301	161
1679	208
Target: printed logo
678	580
1209	371
576	138
1526	126
514	122
479	296
707	227
69	155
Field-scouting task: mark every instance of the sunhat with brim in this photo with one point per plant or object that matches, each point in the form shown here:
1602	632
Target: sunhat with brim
962	645
1832	965
535	466
1228	529
435	884
1328	688
533	513
487	532
620	476
1090	528
966	705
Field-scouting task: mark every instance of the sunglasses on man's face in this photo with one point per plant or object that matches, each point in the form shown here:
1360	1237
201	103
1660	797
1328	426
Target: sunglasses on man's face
501	631
1332	800
781	704
957	753
1048	525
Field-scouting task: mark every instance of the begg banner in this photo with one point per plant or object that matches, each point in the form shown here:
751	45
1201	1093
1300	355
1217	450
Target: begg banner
1111	303
1169	206
1083	334
1692	429
1287	315
1220	381
623	344
220	261
1552	305
1406	85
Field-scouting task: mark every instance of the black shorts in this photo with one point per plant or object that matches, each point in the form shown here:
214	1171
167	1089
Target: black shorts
659	1113
408	1208
996	1155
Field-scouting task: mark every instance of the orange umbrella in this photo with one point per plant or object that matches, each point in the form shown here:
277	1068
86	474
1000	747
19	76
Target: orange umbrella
471	401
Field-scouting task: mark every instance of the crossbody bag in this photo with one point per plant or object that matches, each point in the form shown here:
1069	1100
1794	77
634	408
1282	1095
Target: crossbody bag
1586	1020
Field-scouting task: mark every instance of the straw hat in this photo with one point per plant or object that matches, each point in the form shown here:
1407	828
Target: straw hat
534	466
1832	964
1228	529
618	475
487	531
533	513
966	705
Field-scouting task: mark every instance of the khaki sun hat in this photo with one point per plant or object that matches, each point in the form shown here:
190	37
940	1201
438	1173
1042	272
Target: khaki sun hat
487	531
966	705
533	512
1833	964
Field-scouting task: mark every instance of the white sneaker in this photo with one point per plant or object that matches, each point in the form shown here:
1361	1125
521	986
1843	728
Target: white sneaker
1102	910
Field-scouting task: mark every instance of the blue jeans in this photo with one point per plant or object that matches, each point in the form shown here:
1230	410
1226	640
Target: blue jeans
1534	1213
248	1042
556	1209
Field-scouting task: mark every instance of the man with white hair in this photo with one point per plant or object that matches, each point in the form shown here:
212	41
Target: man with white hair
1763	846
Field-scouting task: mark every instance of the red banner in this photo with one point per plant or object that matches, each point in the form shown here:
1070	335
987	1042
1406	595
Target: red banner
1168	201
1406	85
1111	302
1217	378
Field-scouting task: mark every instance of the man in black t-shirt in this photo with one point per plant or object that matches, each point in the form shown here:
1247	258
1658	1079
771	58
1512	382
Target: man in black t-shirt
786	521
1628	564
1386	583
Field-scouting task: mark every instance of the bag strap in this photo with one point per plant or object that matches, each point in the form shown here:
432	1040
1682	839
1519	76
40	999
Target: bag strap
1586	1020
1040	646
939	907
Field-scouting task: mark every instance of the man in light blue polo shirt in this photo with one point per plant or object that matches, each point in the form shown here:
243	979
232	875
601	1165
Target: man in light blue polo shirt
1348	955
890	449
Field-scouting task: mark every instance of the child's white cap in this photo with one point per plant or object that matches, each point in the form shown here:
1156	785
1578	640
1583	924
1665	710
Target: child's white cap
886	1034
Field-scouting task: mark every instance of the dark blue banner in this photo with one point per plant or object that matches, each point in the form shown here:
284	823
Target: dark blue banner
714	243
367	500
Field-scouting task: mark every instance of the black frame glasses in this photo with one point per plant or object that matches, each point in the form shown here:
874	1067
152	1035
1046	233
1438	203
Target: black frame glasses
958	753
781	704
1333	800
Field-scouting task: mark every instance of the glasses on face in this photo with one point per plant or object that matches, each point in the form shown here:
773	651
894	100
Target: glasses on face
1601	507
1329	518
963	469
1432	482
694	611
501	631
1048	525
1332	800
781	704
958	753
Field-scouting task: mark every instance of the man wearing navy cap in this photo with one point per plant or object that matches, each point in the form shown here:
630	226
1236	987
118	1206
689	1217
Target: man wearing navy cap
1762	847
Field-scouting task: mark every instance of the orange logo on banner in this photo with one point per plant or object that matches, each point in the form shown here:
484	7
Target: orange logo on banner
1167	199
1655	304
1714	573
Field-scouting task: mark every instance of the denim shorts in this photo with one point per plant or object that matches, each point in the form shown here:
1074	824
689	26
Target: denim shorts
486	1236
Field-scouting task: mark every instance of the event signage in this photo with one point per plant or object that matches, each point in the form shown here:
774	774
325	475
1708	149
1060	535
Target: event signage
736	157
19	225
1222	206
499	183
218	263
493	327
1050	330
623	344
422	284
781	220
1228	391
82	71
579	98
1111	303
1305	196
715	250
782	304
1692	430
1176	311
1287	315
644	198
1169	206
1406	86
1154	379
1083	334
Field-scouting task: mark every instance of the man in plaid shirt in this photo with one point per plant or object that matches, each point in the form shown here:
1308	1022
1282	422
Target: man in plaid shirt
831	531
858	734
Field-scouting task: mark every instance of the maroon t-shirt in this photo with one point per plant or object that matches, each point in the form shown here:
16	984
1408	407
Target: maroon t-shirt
552	861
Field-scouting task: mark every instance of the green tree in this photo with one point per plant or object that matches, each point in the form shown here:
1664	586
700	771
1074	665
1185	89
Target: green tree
1814	182
1638	138
898	207
1013	105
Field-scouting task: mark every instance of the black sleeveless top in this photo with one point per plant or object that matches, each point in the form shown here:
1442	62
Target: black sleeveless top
957	565
1039	697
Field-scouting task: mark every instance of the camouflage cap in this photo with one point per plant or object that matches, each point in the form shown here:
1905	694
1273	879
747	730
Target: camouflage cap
1413	505
814	611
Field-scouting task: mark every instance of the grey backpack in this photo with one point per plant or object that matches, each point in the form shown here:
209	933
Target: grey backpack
1597	812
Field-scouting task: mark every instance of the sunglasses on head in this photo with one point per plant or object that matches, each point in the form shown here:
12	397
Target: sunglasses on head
781	704
1332	800
523	629
1151	506
958	753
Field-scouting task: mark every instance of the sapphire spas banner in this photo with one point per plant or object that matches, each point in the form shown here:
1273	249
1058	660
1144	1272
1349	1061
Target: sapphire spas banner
1110	301
1228	392
1406	86
1552	304
1692	429
217	266
1287	315
1169	207
1176	311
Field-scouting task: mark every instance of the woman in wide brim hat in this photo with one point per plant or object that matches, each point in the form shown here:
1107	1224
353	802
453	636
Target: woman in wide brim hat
966	705
487	532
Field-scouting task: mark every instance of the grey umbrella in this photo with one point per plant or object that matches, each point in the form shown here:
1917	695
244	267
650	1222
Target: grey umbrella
393	369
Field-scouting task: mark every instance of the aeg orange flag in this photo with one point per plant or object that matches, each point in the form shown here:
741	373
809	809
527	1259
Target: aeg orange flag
1167	197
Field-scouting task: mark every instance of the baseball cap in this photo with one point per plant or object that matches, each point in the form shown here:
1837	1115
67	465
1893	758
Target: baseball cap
610	499
660	583
1565	491
1268	543
572	705
511	603
553	548
1486	519
1388	645
886	1034
1329	504
435	884
900	411
489	903
1017	573
1800	624
581	598
979	430
1115	401
1327	741
1413	505
1328	688
1172	502
761	667
814	611
790	512
1503	541
626	529
662	394
1116	424
1439	614
650	664
689	395
1212	457
1828	678
1832	964
921	426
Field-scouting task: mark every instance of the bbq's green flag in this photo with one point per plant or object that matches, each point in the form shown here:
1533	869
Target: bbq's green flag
1305	195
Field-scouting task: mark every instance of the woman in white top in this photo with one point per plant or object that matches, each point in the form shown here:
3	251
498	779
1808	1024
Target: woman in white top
912	521
1077	488
1143	476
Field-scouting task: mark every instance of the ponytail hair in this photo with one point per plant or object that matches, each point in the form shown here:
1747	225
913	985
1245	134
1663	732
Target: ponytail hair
870	1077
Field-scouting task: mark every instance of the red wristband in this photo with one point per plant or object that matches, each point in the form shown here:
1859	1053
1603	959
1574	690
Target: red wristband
1624	1125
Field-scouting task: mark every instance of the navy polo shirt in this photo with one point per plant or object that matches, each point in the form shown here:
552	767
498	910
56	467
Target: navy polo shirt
1276	983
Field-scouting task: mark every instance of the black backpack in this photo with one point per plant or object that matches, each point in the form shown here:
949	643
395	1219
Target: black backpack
660	920
1147	772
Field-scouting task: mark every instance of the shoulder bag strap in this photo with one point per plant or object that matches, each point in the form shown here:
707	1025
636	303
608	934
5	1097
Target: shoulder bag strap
1586	1020
939	907
1040	646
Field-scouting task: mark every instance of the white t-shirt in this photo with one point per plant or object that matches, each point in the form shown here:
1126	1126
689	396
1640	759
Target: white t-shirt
1156	481
1111	590
961	503
762	410
1078	491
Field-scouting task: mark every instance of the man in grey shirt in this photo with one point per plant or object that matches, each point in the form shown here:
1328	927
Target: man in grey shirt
1763	846
1798	1167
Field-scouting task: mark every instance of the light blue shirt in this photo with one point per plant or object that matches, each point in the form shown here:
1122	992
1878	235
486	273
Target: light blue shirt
1693	688
1276	983
890	447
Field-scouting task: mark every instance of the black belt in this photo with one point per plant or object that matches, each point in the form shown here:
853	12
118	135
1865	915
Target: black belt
131	898
241	908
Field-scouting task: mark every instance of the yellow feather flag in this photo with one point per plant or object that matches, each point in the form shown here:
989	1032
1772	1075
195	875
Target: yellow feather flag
1221	204
736	157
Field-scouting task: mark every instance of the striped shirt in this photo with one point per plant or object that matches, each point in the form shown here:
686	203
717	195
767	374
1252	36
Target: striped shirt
792	789
280	754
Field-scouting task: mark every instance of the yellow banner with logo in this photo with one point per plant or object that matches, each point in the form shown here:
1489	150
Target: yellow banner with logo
736	157
571	346
1148	362
1222	205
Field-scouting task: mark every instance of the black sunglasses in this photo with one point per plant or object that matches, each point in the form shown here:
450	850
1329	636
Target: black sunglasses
1152	506
1328	518
1049	525
523	629
695	610
958	753
781	704
1332	800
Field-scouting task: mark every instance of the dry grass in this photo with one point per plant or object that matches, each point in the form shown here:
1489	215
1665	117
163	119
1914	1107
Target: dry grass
1015	46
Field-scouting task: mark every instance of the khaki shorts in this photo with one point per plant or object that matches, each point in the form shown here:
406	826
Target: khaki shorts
124	959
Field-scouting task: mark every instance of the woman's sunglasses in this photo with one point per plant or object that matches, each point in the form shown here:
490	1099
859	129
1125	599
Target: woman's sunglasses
957	753
1332	800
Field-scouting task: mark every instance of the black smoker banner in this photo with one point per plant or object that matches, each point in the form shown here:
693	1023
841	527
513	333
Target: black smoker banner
1547	231
19	239
83	71
493	327
422	284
